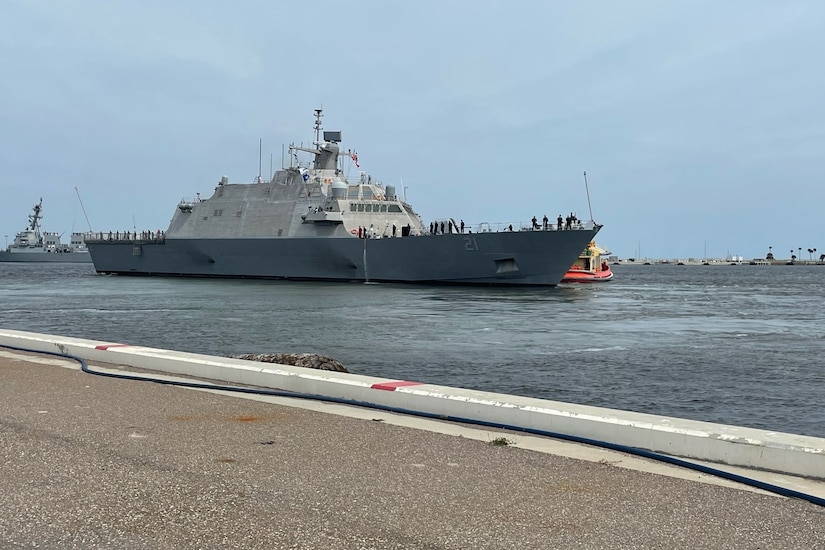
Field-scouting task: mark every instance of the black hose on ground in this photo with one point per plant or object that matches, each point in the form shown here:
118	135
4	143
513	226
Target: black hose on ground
783	491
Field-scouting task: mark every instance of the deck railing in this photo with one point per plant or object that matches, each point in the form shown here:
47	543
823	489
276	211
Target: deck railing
126	237
499	227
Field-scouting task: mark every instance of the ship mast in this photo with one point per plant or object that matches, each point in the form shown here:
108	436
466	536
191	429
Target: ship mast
84	210
588	197
34	218
260	159
318	116
326	151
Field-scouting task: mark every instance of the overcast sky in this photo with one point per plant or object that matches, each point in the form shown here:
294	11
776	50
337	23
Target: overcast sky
701	124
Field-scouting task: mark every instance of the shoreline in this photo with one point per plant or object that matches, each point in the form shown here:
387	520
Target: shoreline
713	261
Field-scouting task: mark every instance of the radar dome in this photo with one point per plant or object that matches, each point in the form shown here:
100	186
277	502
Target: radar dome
339	189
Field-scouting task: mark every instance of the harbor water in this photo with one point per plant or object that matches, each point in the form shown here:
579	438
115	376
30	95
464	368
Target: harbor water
742	345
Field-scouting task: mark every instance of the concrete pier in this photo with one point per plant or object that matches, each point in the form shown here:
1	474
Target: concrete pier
729	445
93	462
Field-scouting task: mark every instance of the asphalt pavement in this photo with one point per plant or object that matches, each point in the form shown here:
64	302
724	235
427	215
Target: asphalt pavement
91	462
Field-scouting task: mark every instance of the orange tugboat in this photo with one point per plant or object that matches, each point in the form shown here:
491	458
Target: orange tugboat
589	267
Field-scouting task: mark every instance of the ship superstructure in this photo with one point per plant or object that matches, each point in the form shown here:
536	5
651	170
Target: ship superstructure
34	245
312	200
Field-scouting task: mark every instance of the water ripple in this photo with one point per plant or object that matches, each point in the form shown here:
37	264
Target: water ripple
740	345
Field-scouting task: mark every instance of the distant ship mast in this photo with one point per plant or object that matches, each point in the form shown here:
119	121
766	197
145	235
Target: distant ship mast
36	216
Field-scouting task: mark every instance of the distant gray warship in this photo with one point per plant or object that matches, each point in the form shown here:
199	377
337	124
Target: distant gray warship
310	223
30	245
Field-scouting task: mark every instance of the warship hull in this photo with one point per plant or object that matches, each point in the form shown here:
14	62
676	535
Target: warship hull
46	257
310	222
525	258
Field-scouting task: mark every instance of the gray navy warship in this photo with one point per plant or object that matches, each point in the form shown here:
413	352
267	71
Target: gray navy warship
32	245
308	222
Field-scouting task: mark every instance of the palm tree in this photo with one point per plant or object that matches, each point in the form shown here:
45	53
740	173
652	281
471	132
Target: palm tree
810	253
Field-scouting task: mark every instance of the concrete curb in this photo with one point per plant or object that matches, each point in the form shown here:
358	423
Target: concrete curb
737	446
